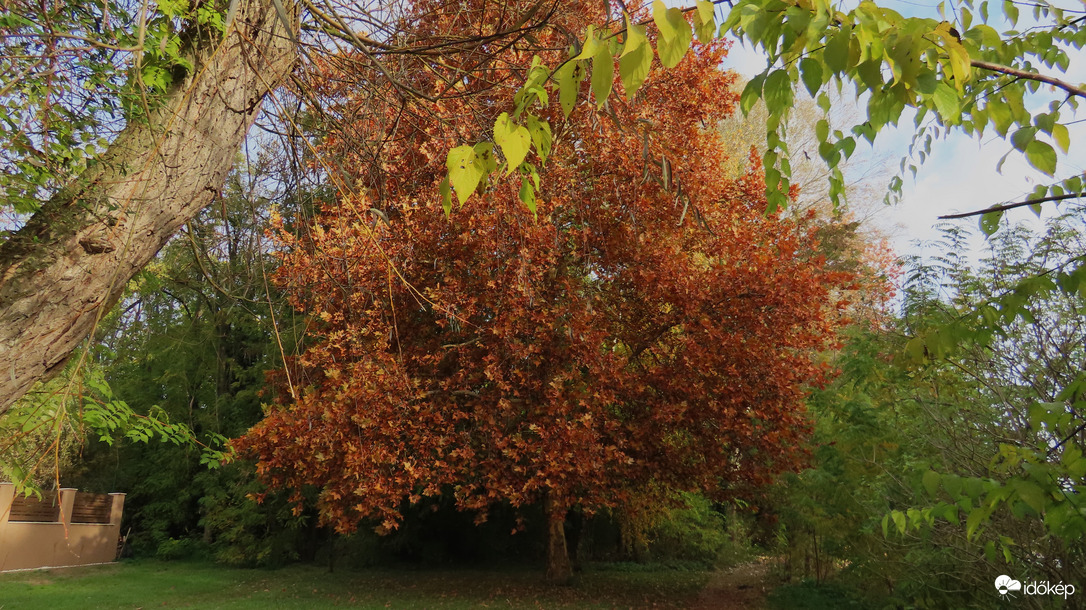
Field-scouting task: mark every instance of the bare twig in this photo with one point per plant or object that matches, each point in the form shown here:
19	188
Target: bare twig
1011	206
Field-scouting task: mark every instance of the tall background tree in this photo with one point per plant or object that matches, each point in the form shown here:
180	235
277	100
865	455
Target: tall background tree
195	86
197	331
934	470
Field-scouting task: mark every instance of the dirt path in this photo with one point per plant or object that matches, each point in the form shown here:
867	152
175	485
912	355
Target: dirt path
740	588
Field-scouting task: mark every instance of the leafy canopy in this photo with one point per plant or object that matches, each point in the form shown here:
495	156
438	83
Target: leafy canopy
957	72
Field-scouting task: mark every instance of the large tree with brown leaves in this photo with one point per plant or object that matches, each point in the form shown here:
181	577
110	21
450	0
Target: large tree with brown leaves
649	329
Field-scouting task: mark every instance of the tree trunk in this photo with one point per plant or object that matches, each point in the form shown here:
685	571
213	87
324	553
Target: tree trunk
69	265
575	539
559	568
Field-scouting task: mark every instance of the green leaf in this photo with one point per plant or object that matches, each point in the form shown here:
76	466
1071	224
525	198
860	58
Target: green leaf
1001	116
1041	156
976	517
446	196
870	73
1031	494
899	520
173	8
635	37
836	51
31	423
973	487
983	34
532	173
811	73
1077	467
1021	138
989	223
1061	137
926	82
675	34
931	481
603	74
527	194
915	349
540	131
775	200
100	386
777	91
772	178
829	154
207	15
17	474
947	102
751	93
959	64
952	483
591	45
1045	121
569	77
846	146
465	171
704	20
949	512
753	19
485	152
155	77
664	26
514	140
636	59
1011	11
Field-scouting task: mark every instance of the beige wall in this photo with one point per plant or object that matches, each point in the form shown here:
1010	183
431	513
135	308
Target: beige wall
37	545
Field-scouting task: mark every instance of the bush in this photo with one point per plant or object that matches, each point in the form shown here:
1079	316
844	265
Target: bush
245	533
176	549
811	596
702	534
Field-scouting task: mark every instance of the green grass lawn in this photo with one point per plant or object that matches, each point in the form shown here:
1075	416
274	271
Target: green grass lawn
153	584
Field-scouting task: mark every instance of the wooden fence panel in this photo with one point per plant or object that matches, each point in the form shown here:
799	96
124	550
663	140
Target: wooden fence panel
30	508
33	532
91	508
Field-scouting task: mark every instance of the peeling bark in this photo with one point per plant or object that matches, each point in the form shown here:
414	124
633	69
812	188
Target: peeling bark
70	263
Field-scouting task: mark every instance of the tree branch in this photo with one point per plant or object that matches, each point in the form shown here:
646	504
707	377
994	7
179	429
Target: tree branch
1011	206
1066	86
333	24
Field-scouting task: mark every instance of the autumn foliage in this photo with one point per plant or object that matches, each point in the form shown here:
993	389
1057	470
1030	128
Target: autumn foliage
649	330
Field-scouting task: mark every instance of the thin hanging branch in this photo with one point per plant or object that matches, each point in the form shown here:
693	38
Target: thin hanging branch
1011	206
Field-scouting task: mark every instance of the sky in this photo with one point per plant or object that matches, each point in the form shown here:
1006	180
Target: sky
960	174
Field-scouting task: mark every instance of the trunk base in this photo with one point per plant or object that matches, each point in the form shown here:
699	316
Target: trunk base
559	568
